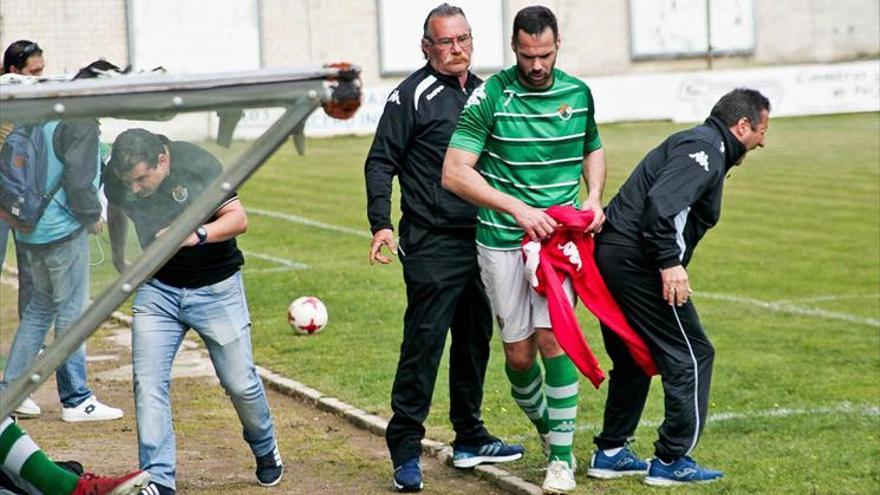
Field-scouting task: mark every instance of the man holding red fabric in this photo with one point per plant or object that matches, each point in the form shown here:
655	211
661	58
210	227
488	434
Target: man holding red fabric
522	143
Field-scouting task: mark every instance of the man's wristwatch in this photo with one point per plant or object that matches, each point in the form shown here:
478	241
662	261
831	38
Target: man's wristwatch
202	234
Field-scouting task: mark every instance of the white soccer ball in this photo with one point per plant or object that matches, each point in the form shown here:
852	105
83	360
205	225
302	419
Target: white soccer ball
307	315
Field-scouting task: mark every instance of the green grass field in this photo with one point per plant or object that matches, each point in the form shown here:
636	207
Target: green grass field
788	288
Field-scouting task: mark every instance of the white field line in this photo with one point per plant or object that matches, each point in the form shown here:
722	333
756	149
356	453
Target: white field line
842	408
824	298
784	307
306	221
285	265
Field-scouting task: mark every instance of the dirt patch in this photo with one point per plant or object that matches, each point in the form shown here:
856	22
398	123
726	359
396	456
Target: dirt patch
322	452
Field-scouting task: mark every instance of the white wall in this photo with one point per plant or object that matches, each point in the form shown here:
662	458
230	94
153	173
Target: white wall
595	33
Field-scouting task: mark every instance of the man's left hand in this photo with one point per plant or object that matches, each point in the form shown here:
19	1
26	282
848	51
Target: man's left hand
96	228
191	240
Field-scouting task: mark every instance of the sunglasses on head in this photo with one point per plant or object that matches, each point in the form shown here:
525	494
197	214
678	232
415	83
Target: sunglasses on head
26	53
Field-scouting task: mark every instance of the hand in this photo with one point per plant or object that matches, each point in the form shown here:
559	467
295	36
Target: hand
595	205
189	241
120	263
676	287
536	223
384	237
96	228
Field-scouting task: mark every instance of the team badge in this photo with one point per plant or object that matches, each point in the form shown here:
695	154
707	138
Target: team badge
180	193
565	111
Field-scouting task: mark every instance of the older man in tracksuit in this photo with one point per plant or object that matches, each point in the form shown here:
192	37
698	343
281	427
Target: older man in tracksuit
437	251
653	226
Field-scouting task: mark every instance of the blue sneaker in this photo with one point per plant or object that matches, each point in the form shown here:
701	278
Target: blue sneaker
681	472
408	476
624	463
495	451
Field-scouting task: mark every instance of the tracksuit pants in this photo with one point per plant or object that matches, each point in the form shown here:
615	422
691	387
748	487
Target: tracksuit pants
443	291
677	341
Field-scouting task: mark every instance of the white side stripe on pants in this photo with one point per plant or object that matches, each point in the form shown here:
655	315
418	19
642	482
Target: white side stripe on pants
696	383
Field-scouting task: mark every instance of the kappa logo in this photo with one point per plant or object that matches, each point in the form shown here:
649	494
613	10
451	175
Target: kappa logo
434	93
478	95
394	97
702	159
570	250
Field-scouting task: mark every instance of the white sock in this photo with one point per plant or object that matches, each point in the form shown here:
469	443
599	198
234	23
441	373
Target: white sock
612	452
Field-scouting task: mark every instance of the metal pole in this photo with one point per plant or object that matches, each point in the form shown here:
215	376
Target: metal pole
155	255
709	34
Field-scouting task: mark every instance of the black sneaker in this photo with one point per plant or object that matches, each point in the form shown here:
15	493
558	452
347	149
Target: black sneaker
72	466
269	468
156	489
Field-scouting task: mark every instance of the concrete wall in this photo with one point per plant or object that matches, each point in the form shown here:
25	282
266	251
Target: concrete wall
71	33
595	33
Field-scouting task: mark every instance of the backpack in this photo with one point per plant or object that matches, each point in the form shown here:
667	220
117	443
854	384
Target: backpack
24	163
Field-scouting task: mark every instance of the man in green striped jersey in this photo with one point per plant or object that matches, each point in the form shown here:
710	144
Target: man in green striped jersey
522	143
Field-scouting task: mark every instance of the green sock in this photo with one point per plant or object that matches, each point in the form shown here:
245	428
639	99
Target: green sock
526	389
19	454
562	400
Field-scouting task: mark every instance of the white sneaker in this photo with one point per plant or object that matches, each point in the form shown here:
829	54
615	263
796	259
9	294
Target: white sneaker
559	479
545	444
27	409
90	410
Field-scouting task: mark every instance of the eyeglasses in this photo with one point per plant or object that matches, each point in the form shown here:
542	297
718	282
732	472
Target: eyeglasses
464	41
26	53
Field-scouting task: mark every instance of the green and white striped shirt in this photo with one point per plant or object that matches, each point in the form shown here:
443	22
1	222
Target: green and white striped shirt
531	145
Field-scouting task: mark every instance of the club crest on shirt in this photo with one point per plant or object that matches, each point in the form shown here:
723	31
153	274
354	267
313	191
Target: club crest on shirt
565	111
180	193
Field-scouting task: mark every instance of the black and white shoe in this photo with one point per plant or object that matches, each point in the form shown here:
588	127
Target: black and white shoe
270	469
156	489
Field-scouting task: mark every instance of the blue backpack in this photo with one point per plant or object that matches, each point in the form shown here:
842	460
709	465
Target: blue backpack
24	163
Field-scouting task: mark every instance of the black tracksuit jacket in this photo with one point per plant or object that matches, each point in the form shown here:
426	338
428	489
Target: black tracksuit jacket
674	195
410	142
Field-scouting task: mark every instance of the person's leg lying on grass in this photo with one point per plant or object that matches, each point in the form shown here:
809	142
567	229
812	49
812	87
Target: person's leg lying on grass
21	456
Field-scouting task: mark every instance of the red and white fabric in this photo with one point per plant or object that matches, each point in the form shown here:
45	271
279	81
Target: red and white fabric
569	252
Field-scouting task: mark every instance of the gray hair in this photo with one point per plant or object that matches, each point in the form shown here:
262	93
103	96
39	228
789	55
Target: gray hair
442	10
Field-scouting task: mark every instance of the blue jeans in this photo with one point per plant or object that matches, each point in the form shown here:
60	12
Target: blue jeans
4	236
25	279
162	314
60	295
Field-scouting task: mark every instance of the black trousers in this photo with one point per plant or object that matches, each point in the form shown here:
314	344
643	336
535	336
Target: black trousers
444	291
678	343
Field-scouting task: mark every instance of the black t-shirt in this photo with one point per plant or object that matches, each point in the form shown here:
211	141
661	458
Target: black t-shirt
192	170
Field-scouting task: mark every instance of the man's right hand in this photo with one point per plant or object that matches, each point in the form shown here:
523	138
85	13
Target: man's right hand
120	264
384	237
537	224
676	285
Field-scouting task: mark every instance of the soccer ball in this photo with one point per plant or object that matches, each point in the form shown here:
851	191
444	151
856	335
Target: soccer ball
307	315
